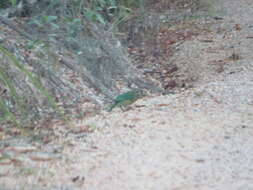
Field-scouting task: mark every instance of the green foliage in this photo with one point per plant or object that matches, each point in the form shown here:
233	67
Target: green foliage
67	18
4	105
73	26
6	114
110	10
7	3
36	44
94	15
44	21
13	2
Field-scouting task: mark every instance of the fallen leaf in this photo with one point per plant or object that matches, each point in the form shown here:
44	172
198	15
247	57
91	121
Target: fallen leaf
135	119
206	40
235	56
237	27
161	105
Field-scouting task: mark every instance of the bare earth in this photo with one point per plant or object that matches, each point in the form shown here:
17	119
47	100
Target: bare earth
198	139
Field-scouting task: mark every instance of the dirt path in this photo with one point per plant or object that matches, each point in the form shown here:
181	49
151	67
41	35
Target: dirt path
200	139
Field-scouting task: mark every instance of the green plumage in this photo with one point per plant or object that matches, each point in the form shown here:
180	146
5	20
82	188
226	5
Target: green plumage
125	99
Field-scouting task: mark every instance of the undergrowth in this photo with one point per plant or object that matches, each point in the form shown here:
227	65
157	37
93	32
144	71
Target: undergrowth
64	19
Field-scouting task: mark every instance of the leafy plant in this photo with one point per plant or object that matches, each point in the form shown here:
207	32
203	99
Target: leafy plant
4	106
13	2
74	26
94	15
110	10
45	20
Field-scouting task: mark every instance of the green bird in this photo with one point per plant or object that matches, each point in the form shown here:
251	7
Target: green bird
126	99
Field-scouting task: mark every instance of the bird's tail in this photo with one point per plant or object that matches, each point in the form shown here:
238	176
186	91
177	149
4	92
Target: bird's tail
111	107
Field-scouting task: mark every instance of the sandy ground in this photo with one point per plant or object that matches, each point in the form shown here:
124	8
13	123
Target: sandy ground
200	139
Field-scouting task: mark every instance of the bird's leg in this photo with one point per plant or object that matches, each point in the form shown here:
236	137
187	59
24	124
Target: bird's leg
129	108
125	108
